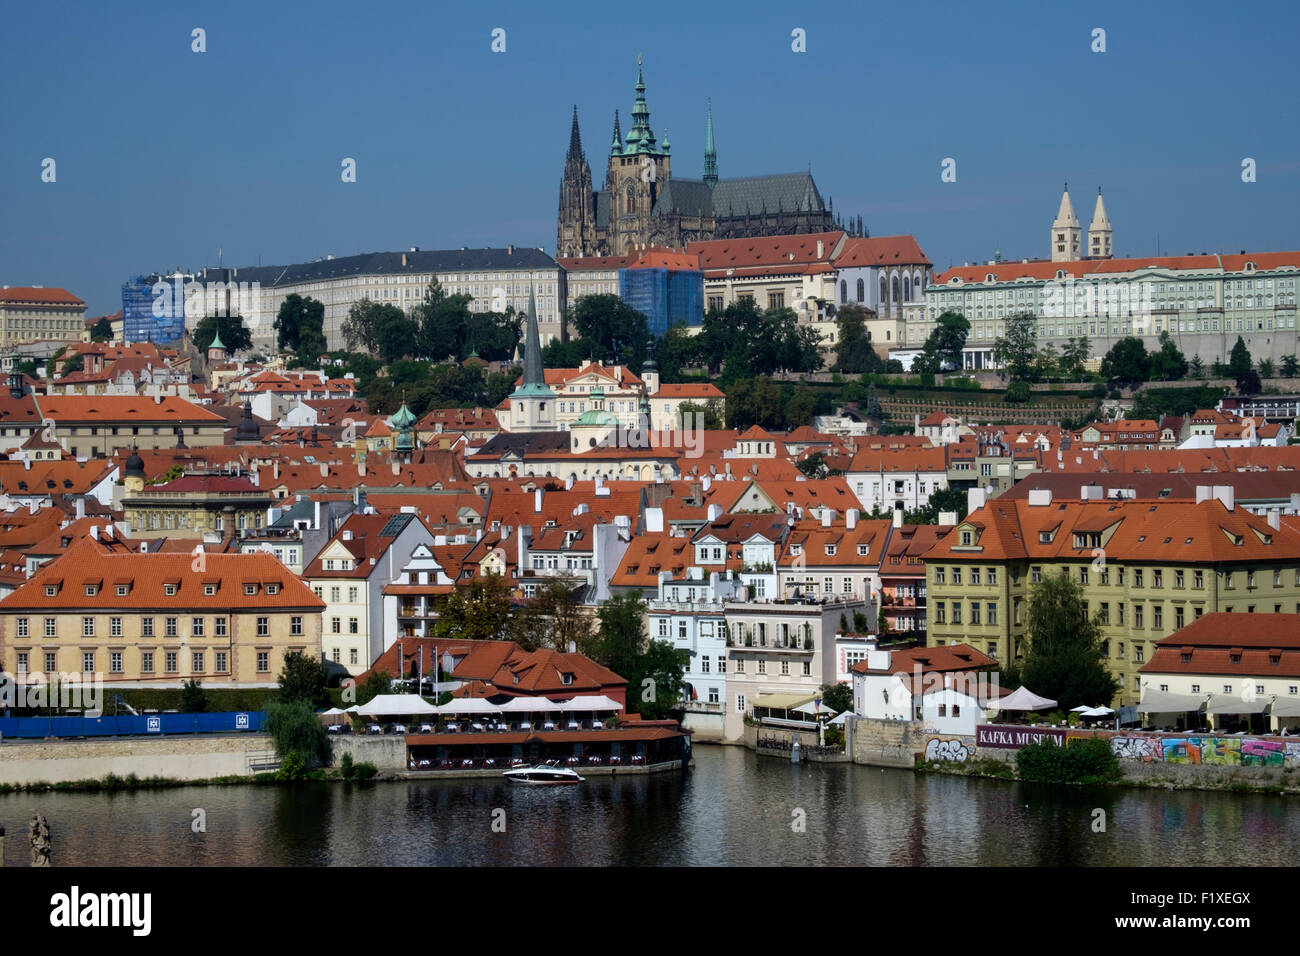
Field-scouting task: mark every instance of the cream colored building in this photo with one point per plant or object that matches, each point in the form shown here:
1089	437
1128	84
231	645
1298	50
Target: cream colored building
35	313
106	609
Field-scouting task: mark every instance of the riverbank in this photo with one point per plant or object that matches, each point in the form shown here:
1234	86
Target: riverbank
1147	776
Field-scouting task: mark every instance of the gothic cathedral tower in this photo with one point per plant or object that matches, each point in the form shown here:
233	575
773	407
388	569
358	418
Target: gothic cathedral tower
576	223
638	170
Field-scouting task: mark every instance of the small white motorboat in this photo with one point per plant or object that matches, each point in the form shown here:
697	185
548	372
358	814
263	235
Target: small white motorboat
544	775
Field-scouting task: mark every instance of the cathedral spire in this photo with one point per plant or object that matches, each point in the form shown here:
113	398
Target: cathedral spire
710	153
575	138
1100	236
1066	231
617	147
640	139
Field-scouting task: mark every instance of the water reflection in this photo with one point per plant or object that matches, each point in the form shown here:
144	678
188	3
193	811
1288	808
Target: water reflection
732	809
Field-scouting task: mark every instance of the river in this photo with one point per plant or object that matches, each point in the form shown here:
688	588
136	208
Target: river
732	808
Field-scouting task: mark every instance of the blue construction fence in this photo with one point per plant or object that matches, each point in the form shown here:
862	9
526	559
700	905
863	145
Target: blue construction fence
142	725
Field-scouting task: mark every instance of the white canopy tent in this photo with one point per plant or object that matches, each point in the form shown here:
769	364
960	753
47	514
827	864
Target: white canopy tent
1233	704
469	705
1096	712
842	718
1023	699
1286	707
814	710
589	702
530	705
333	712
396	705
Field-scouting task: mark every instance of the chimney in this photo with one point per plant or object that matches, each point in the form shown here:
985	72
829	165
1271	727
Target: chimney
521	553
654	520
108	532
1204	493
1040	497
828	515
705	482
81	508
573	647
715	512
347	534
851	518
94	532
275	469
1090	492
1275	519
1225	494
821	248
898	517
538	494
568	482
976	499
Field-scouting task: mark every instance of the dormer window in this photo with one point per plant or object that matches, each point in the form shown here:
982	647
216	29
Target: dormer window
209	590
169	590
566	678
122	590
250	589
863	550
830	549
273	589
51	590
967	538
92	590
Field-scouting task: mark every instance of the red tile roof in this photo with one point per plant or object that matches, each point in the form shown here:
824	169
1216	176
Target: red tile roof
54	296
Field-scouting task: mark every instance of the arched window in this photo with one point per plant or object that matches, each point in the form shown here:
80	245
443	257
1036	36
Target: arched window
907	288
894	289
844	290
884	290
862	291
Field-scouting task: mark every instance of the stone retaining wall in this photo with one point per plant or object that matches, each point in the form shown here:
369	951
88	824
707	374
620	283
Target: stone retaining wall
177	758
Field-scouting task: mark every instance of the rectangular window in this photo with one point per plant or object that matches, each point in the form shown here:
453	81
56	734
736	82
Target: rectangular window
51	628
22	627
196	659
353	626
171	658
50	661
115	626
169	627
263	626
263	659
221	662
992	613
87	627
146	627
352	655
295	626
88	662
22	662
219	626
196	627
146	661
740	703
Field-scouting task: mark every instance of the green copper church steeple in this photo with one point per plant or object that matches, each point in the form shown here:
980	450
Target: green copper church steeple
640	139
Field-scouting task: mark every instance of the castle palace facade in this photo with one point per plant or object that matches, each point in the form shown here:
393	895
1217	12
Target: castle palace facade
643	204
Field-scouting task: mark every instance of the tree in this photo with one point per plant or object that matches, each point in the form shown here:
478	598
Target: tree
101	331
694	415
674	351
657	682
193	699
947	340
853	341
1196	368
654	670
753	401
1073	355
375	684
381	329
619	637
1168	364
554	619
1249	383
614	326
74	364
814	466
299	738
300	318
234	334
1016	351
801	407
1239	362
1265	368
1127	363
1063	658
837	697
303	679
943	500
1290	367
1047	364
479	611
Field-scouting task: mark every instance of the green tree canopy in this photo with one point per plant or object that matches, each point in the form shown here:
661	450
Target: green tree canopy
837	697
1127	363
234	334
480	611
1017	349
947	340
102	330
303	679
193	698
1063	658
1168	364
654	670
614	326
300	327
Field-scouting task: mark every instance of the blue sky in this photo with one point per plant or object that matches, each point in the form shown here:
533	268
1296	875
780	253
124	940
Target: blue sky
163	155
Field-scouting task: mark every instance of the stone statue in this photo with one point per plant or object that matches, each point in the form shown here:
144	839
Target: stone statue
39	832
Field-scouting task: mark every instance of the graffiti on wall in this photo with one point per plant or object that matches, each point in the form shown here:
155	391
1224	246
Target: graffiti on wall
952	749
1226	751
1145	749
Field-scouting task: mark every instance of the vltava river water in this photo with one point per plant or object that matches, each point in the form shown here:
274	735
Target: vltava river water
731	808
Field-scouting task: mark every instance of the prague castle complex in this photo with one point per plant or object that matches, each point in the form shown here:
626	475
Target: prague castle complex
642	203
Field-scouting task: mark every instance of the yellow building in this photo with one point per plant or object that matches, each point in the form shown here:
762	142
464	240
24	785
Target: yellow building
191	504
1147	568
35	314
108	610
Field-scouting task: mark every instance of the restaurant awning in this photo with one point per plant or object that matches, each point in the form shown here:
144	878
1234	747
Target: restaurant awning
469	705
396	705
590	702
530	705
1233	704
1162	702
1286	707
782	701
1023	699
